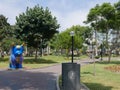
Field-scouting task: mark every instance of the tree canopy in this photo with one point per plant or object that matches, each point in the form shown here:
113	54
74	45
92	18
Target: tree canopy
36	24
63	39
4	27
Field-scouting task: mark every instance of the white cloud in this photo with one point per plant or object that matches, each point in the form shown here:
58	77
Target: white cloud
10	11
70	19
12	8
74	18
71	13
68	12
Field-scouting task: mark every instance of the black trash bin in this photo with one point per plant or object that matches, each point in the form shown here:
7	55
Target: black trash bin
70	76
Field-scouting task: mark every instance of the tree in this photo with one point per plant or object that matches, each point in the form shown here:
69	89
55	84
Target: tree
4	27
116	30
35	26
107	14
8	38
93	19
104	16
63	39
6	43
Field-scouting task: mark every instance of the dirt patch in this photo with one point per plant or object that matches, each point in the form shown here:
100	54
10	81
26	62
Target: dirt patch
114	68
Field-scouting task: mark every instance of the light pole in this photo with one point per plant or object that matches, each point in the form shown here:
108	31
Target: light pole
72	34
71	72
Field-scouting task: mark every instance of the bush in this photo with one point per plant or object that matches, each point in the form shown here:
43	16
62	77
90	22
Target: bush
97	57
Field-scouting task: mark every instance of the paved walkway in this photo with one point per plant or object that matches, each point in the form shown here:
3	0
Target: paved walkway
34	79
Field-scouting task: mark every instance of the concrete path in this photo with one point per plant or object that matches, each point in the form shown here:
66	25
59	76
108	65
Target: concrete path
34	79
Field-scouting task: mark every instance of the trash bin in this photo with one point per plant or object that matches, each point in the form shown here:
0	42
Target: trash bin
70	76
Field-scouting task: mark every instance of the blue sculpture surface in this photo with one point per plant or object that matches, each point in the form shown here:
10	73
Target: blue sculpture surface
16	56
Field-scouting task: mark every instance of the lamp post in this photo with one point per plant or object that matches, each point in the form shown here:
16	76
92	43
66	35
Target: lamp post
71	72
72	34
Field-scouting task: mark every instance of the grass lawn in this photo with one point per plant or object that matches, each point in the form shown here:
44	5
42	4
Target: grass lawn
105	79
30	62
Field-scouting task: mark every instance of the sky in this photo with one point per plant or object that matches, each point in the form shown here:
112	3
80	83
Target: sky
67	12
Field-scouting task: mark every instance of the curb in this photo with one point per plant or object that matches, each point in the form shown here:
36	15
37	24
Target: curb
84	87
57	83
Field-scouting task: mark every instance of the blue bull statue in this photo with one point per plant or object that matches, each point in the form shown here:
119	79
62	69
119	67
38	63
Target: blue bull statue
16	57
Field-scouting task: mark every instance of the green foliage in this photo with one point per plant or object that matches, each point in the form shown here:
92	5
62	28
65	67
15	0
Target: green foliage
7	35
97	57
4	27
36	24
101	17
107	10
117	15
3	21
63	39
93	14
6	43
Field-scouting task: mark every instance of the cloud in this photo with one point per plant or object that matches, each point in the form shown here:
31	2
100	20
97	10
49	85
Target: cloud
70	19
68	12
12	8
71	13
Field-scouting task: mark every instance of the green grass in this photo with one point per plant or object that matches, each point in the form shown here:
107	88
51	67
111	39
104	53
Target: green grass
4	63
43	61
30	62
104	79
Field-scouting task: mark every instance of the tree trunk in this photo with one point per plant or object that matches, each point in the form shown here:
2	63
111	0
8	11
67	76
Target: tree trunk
109	56
26	51
96	43
48	50
107	46
117	41
106	39
35	54
60	51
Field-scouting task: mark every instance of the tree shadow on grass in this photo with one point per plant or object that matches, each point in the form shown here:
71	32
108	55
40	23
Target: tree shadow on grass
31	61
97	86
111	62
86	73
38	61
4	59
